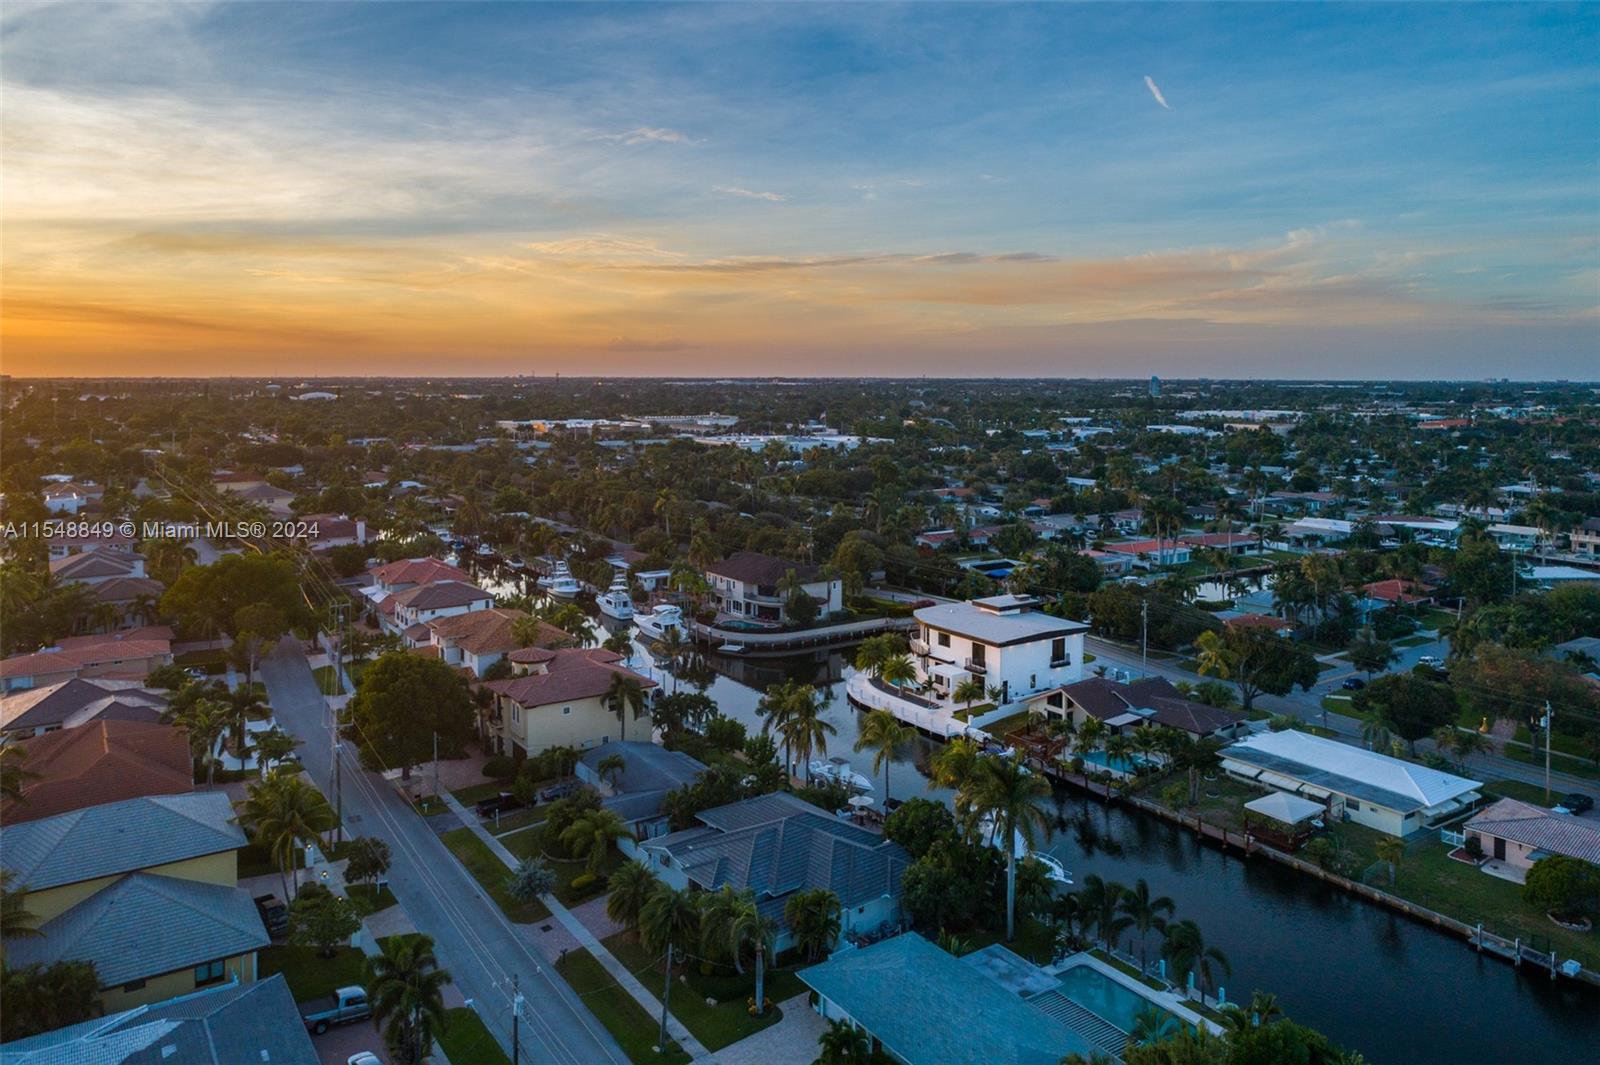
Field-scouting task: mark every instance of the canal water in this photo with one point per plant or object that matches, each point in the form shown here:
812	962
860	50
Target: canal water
1369	978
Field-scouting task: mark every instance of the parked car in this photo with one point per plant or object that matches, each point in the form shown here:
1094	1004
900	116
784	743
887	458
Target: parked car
497	804
274	914
559	791
365	1057
342	1007
1430	660
1575	803
1353	684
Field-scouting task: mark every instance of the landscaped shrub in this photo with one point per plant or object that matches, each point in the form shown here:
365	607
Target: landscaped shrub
499	767
587	884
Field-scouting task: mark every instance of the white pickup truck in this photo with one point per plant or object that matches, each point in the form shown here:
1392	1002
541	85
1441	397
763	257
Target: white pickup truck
343	1006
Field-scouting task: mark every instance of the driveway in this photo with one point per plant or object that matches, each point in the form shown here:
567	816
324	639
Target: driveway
483	951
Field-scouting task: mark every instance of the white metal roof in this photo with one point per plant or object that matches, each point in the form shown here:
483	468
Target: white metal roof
1281	806
1349	770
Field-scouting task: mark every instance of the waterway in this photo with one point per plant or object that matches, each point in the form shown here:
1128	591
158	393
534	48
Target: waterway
1369	978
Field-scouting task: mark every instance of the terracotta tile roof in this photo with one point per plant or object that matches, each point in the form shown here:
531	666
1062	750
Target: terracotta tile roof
489	631
1258	621
71	659
104	761
441	594
417	571
1398	591
570	674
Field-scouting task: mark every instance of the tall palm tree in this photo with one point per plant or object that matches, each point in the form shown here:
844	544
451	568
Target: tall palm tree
968	692
1152	1024
631	887
883	734
527	630
283	813
1146	914
204	721
1010	794
775	708
899	671
405	987
1102	909
592	835
244	706
1186	951
814	916
805	728
955	767
624	696
1091	734
876	650
750	930
668	920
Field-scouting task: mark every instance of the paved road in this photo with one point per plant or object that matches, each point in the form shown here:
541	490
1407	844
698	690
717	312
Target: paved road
473	938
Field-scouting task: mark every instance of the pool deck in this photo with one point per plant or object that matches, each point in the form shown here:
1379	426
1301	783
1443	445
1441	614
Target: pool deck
1167	1000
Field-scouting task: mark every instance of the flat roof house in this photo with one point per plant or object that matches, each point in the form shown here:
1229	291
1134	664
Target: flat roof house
557	700
924	1006
222	1025
146	889
777	844
746	585
1004	640
1369	788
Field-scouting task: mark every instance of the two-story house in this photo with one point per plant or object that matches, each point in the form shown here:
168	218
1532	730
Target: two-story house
1005	641
415	608
557	699
145	889
750	585
476	641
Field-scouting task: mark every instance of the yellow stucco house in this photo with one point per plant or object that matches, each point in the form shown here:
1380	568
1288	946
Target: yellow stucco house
557	699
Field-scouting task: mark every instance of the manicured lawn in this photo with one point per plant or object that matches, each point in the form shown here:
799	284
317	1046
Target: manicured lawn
1561	744
369	900
634	1030
327	683
532	842
716	1026
1559	762
978	710
1035	941
491	873
1413	641
1338	704
487	790
465	1039
309	976
1434	619
517	820
1006	725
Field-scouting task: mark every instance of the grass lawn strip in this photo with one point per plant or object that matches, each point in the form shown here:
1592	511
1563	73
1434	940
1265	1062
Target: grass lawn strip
491	874
634	1029
309	976
465	1039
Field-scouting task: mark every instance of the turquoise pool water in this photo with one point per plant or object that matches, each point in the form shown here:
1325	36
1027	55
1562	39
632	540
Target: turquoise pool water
1121	765
1102	996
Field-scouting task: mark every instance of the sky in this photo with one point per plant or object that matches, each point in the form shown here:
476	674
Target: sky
1279	191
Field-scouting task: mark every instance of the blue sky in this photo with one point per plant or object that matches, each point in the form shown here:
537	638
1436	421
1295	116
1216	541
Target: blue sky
855	188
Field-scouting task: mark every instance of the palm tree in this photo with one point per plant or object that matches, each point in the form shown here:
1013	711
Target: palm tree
16	920
672	647
1185	949
624	695
1152	1024
405	987
968	692
14	774
273	746
1102	909
592	835
1118	748
1006	791
1264	1007
884	735
775	709
749	929
610	767
204	721
244	706
899	671
955	767
814	917
804	728
1146	914
875	651
527	630
631	887
283	813
842	1043
669	918
1391	849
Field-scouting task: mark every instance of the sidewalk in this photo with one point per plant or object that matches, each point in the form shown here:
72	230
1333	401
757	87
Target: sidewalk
584	937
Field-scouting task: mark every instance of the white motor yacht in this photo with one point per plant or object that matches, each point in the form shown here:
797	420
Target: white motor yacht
616	601
662	617
561	583
837	769
1053	868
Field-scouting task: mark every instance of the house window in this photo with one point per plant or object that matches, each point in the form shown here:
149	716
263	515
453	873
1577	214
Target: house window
133	985
210	973
516	713
978	650
566	710
944	639
1058	650
1351	804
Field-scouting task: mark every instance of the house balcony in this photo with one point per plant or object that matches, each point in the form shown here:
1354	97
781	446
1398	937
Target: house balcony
919	647
1058	663
977	669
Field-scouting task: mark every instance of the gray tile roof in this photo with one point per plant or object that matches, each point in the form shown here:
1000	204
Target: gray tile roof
929	1007
231	1024
777	844
1534	826
120	837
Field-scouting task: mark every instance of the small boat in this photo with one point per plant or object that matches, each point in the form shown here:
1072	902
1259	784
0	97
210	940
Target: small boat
515	562
452	559
731	649
561	583
1053	869
616	601
838	770
655	624
458	546
484	550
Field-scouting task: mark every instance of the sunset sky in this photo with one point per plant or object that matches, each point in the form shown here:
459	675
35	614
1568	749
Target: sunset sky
1065	190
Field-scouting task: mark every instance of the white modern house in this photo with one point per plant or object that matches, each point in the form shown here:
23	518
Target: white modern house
1372	789
1005	641
747	585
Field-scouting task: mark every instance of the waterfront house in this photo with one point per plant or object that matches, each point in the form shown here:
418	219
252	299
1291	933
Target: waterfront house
636	793
221	1025
1004	640
775	845
475	641
395	577
416	607
146	889
1125	707
103	762
1519	834
922	1005
1372	789
557	700
1148	553
746	585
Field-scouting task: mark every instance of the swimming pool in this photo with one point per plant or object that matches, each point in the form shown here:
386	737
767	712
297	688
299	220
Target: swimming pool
1102	996
1121	765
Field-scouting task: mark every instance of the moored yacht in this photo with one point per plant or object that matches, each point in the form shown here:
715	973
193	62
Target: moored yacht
616	601
561	583
1053	869
662	617
837	769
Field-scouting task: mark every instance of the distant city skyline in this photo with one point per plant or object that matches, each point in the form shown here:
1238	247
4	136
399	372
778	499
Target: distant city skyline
1187	190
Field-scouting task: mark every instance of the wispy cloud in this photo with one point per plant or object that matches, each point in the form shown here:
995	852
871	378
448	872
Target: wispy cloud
647	134
1155	90
631	344
749	194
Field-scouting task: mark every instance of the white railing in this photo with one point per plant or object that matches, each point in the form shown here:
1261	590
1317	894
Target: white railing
1455	839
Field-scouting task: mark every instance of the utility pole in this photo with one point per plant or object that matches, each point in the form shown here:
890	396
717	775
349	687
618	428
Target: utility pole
1549	720
435	767
666	990
1144	636
516	1020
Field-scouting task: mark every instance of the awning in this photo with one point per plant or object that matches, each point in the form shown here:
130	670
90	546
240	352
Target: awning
1283	807
946	669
